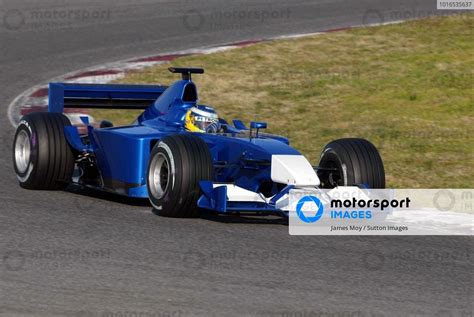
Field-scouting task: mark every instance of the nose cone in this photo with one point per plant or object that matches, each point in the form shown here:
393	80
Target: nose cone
293	170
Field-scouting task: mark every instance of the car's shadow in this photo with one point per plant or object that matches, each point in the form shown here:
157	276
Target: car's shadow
90	192
244	218
234	218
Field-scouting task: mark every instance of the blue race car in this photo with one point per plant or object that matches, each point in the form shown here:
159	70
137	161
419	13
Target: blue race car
178	153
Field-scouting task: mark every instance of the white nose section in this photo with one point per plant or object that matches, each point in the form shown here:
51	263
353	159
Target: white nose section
293	170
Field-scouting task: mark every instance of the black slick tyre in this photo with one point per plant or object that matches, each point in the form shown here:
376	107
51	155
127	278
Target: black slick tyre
177	164
42	157
351	162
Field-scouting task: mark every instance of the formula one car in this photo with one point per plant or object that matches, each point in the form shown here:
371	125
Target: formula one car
178	154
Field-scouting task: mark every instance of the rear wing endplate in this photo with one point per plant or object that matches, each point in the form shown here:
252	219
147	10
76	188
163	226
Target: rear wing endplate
99	96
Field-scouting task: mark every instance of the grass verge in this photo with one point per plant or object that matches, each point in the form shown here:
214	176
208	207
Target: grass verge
407	87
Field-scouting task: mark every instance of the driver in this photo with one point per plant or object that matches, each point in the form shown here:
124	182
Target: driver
202	119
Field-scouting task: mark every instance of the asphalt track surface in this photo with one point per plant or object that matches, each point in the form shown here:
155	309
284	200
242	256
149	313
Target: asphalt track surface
83	254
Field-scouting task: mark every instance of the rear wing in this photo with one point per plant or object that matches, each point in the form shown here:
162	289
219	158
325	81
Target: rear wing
98	96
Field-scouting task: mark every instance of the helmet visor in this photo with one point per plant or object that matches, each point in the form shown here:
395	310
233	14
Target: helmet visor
205	124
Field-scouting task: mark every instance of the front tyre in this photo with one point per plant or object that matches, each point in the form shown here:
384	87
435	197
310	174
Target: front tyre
351	162
177	164
42	158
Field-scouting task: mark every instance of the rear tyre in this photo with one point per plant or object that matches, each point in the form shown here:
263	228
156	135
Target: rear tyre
42	158
351	162
177	164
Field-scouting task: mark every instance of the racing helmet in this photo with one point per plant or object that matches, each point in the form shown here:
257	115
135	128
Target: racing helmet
202	119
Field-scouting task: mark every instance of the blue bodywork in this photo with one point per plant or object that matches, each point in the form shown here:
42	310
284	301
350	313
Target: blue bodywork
118	156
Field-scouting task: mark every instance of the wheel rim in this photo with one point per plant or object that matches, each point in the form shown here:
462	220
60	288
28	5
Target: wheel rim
335	177
159	175
332	174
22	151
